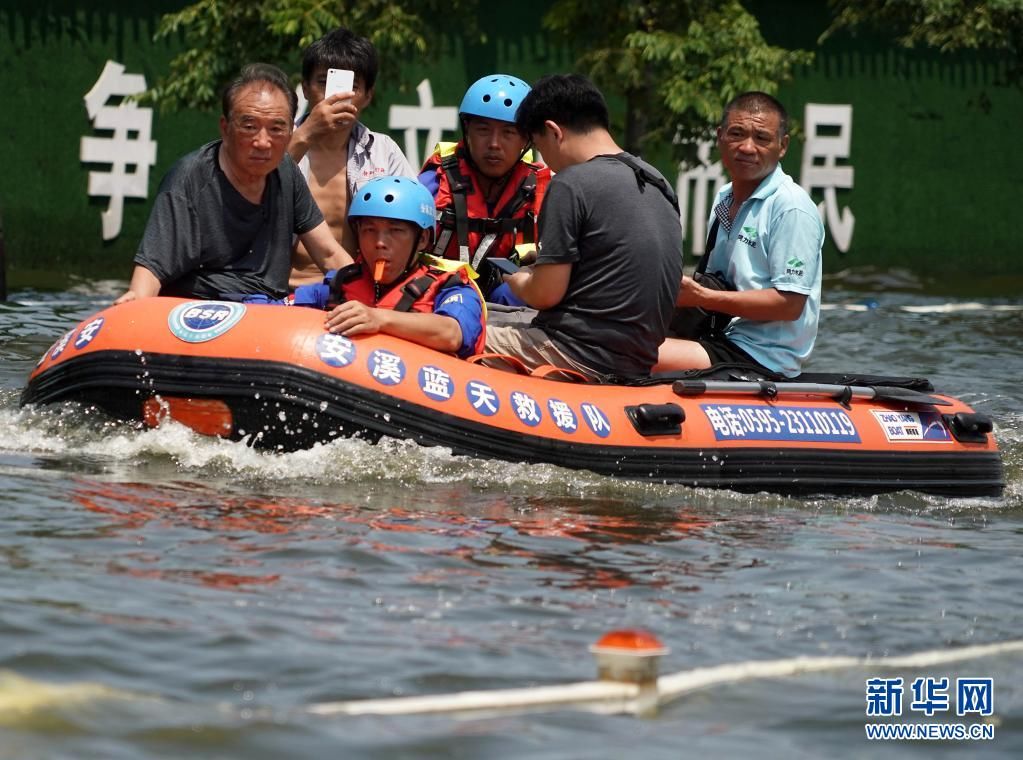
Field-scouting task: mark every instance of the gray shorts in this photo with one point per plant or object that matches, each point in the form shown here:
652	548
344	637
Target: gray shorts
533	346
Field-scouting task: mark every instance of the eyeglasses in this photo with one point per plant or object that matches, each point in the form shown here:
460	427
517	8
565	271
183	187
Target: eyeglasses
250	128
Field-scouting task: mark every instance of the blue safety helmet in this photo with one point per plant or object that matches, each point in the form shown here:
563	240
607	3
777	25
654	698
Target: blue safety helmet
494	97
394	198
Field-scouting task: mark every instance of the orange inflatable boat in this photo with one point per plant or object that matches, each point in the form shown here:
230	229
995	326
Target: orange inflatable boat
272	376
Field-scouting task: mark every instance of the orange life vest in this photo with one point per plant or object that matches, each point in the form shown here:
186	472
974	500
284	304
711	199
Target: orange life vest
416	292
465	229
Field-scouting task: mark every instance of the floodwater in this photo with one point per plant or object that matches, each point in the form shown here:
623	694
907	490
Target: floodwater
166	595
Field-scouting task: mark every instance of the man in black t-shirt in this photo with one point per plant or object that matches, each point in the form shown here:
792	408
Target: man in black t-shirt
222	222
609	254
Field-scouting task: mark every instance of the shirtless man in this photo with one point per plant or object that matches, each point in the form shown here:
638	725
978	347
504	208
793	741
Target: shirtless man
333	149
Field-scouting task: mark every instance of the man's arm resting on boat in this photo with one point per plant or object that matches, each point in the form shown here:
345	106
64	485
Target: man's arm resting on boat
764	305
541	286
144	284
324	249
436	331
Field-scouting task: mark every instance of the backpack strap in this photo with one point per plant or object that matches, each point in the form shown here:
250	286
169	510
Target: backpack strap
712	239
644	177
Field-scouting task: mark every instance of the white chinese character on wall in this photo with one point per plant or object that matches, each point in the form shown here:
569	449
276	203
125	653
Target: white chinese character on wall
129	150
412	119
828	132
705	180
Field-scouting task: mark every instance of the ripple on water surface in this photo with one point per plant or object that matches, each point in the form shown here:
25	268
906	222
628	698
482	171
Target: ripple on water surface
168	595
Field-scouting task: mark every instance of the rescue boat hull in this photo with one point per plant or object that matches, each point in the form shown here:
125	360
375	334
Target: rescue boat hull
272	376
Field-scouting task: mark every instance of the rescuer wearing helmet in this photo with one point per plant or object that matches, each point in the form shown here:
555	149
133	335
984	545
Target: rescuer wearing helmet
487	192
392	287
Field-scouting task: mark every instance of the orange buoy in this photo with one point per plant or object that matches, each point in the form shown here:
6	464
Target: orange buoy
630	655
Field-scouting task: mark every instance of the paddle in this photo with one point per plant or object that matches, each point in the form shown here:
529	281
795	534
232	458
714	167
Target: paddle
841	393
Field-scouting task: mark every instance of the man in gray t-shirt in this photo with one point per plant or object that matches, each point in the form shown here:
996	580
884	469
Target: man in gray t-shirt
609	256
222	223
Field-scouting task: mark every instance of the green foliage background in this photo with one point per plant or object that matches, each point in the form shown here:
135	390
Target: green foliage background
51	55
933	176
933	185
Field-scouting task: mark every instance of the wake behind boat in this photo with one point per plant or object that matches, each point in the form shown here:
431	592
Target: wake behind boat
272	376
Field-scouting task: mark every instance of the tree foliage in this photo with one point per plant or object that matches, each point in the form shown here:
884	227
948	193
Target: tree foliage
675	63
946	25
223	35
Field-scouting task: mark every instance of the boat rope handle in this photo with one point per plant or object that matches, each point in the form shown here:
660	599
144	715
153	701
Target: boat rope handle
561	374
500	361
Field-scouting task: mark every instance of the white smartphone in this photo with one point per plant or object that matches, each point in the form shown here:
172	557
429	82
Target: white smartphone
339	80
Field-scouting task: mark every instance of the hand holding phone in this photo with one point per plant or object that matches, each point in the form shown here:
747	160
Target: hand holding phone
504	266
339	80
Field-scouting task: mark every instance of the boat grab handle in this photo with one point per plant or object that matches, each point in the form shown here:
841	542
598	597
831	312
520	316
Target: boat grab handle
656	419
841	393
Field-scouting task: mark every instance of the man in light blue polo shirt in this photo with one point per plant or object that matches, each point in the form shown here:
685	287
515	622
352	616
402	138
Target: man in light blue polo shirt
767	246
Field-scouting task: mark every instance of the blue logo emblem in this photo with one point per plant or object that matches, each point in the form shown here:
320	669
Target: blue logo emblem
483	398
200	321
596	420
526	408
563	416
335	350
435	383
87	333
386	367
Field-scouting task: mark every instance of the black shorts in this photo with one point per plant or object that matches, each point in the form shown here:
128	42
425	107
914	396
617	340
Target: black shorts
723	351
